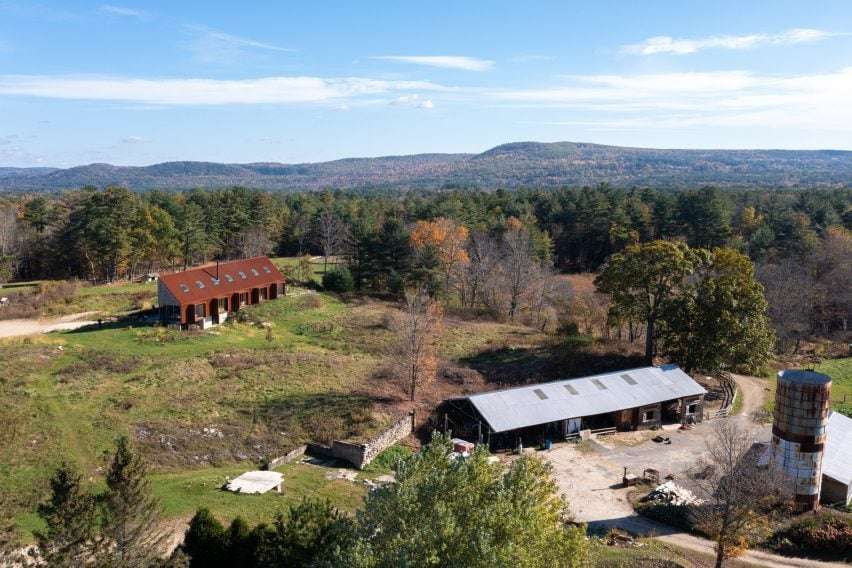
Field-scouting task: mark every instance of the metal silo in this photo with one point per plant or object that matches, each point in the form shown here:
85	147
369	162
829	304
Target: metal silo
802	406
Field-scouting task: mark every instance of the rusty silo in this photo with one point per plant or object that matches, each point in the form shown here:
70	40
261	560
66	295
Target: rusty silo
802	406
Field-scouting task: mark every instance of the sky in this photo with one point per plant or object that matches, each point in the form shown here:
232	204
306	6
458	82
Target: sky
136	83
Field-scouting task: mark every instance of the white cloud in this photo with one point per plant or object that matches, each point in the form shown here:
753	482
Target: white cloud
443	61
668	44
726	98
267	90
215	46
413	101
133	140
125	11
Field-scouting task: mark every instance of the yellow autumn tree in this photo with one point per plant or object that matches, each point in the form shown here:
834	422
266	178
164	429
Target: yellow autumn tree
448	239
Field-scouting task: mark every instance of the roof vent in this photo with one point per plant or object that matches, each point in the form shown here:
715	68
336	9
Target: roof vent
571	389
540	394
599	384
628	379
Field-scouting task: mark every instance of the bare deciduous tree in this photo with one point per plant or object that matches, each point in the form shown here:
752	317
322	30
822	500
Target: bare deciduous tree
789	290
332	235
483	251
519	266
738	492
418	330
255	241
8	230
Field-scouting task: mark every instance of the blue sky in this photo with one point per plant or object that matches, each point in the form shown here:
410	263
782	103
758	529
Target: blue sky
135	83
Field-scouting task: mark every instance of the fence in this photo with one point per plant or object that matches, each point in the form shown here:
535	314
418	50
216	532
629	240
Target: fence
359	455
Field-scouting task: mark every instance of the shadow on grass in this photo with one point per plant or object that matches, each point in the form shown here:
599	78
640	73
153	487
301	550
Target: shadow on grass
572	357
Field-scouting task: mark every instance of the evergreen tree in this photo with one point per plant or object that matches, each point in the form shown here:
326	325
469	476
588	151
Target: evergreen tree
131	515
70	517
205	542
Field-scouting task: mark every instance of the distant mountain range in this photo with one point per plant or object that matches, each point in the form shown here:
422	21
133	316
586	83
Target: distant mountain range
519	164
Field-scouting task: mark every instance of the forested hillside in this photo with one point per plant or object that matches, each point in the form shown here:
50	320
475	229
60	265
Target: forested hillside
516	165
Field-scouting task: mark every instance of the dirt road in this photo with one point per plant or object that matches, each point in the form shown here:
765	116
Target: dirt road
21	327
590	477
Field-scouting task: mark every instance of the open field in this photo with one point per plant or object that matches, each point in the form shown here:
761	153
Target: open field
840	371
203	405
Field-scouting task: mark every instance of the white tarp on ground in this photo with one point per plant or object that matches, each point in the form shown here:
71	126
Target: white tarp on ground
837	462
256	482
587	396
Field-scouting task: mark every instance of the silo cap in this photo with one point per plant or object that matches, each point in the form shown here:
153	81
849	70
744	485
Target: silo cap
804	377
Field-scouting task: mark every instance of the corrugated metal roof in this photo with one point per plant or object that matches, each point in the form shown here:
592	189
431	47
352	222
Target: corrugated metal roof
520	407
200	284
837	461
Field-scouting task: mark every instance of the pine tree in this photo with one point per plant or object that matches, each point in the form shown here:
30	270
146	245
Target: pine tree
69	514
131	514
204	542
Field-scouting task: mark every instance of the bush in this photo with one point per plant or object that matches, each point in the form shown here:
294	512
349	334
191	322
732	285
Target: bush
826	535
338	280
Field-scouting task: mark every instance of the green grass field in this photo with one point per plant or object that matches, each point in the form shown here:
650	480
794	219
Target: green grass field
840	371
203	405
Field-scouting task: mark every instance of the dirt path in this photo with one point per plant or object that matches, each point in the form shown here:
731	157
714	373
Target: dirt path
20	327
753	391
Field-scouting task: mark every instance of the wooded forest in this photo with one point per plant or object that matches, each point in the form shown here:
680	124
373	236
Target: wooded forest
492	251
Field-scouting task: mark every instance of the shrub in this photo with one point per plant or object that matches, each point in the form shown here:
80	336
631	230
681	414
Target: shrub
826	535
338	280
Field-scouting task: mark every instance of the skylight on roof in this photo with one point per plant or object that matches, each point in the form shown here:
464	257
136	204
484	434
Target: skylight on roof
266	269
215	281
199	283
255	272
599	384
229	278
242	274
540	394
571	389
184	287
628	379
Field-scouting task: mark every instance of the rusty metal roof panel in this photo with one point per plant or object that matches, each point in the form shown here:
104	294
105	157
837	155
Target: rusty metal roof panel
201	284
837	461
523	406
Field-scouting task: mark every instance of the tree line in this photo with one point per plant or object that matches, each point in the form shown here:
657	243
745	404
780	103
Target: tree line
491	252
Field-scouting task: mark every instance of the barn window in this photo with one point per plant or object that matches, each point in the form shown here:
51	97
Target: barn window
692	408
571	389
255	272
599	384
540	394
649	415
199	283
628	379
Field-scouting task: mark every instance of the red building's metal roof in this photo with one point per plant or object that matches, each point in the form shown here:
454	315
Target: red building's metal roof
200	284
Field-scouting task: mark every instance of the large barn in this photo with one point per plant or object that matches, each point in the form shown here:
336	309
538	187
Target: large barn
204	296
632	399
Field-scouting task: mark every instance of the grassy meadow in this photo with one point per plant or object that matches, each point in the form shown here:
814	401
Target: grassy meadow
203	405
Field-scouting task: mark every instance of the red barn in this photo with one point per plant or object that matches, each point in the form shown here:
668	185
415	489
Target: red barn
205	295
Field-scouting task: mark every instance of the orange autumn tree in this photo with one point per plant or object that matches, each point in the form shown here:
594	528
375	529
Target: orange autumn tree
447	238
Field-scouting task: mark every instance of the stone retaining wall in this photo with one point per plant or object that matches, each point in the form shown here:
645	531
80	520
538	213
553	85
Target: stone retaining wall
293	454
359	455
